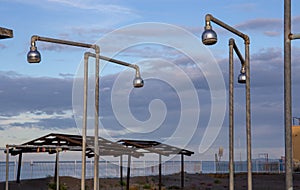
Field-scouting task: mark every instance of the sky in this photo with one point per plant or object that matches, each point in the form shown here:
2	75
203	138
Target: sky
185	98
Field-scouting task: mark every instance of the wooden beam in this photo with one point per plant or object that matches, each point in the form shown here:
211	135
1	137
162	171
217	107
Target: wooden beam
5	33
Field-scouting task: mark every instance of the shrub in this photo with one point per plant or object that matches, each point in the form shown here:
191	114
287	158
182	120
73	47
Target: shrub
53	186
147	186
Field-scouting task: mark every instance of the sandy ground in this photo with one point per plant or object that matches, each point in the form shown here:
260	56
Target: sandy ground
192	181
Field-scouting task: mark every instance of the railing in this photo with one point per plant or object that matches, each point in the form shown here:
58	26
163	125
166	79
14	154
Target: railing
42	169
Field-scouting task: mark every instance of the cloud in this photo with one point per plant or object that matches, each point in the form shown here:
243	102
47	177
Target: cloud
40	120
102	6
266	25
66	75
46	102
95	5
268	54
2	46
39	104
260	23
37	94
53	123
242	7
57	47
295	25
272	33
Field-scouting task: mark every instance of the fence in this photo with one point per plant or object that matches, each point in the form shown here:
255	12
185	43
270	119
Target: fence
41	169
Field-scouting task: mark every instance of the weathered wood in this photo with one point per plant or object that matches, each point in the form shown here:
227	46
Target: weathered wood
5	33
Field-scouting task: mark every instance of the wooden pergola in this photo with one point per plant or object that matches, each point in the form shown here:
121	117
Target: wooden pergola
159	148
54	143
5	33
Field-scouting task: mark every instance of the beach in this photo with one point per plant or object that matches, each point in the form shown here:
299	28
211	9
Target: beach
192	181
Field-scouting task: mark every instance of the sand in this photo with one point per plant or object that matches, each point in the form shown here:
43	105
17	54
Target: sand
192	181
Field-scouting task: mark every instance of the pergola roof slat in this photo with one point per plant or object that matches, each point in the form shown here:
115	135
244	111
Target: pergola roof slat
66	142
155	147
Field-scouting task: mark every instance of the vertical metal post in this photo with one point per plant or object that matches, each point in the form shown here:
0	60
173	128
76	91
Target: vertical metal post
287	96
248	114
84	121
231	117
57	170
209	18
7	168
96	147
159	170
96	132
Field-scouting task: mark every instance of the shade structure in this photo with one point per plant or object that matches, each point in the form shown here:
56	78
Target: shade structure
66	142
161	149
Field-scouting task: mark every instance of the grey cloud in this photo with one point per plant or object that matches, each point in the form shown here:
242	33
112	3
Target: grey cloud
54	123
53	95
243	7
296	24
84	30
266	97
66	75
269	54
139	101
272	33
268	26
265	24
267	68
57	47
19	93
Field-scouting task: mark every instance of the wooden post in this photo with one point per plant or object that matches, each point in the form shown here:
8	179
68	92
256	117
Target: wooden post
159	169
121	171
128	171
182	171
19	168
57	170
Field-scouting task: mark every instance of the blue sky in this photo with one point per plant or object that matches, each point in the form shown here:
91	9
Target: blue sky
37	99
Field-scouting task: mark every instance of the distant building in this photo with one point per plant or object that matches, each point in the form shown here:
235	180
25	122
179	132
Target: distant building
296	142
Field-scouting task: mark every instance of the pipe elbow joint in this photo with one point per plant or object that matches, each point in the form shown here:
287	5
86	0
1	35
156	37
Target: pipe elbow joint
34	38
231	42
208	17
96	48
247	39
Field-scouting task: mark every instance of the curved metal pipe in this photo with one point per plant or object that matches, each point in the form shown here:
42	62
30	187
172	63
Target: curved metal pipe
208	19
134	66
33	47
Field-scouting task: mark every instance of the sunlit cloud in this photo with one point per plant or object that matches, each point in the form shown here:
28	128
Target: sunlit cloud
95	5
36	119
